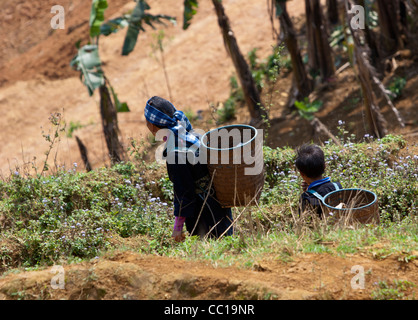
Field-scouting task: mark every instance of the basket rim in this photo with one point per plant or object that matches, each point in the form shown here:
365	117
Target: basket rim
350	189
228	126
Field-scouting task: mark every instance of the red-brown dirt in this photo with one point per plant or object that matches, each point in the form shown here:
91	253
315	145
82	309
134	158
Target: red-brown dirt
127	275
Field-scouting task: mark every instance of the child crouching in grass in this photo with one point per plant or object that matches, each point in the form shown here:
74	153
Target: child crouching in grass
310	162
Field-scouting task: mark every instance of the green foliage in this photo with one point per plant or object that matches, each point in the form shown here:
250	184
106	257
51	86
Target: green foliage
87	59
137	19
227	111
74	214
396	87
262	72
190	9
267	70
120	106
88	62
71	214
98	8
307	109
114	25
73	127
392	291
375	166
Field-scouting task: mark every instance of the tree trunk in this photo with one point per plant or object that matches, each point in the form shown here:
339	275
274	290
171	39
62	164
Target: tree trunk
391	39
332	13
303	83
252	95
365	73
319	50
84	155
413	26
370	37
110	125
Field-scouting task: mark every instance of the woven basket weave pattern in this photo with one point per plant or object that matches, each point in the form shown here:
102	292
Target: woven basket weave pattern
361	205
233	187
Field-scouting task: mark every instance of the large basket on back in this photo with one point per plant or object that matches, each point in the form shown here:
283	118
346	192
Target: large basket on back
352	205
235	161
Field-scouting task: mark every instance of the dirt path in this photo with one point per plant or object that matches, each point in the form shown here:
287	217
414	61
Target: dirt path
128	275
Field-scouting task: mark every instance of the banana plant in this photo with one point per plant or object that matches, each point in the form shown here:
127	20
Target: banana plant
190	9
135	21
87	61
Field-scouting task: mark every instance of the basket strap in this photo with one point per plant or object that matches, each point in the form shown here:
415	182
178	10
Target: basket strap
316	194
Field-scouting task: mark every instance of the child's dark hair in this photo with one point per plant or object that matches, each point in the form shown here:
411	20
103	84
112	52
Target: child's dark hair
162	105
310	160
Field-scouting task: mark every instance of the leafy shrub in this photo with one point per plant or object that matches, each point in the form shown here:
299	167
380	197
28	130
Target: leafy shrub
76	214
377	166
396	87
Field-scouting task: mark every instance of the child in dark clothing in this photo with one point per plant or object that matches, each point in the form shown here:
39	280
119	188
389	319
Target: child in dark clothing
195	202
310	162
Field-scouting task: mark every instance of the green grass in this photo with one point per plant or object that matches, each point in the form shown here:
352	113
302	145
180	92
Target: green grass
71	215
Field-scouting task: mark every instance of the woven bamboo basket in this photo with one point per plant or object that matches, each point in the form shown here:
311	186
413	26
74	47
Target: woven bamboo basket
353	205
232	153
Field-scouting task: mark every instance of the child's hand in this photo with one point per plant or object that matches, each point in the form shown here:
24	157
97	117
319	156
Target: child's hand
178	236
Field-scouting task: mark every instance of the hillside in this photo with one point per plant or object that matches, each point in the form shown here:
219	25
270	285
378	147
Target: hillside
36	80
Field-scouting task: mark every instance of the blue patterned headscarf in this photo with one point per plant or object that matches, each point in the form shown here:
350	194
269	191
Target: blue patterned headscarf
179	125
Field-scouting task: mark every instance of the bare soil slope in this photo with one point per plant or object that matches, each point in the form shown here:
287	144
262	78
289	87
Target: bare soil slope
127	275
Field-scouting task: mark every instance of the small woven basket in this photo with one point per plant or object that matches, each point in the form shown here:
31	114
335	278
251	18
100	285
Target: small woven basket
232	153
352	205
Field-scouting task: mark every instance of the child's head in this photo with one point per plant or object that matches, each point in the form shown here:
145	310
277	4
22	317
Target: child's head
310	161
162	105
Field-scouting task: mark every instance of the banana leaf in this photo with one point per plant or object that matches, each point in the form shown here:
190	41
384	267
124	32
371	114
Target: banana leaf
114	25
120	106
190	9
136	21
98	8
87	61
